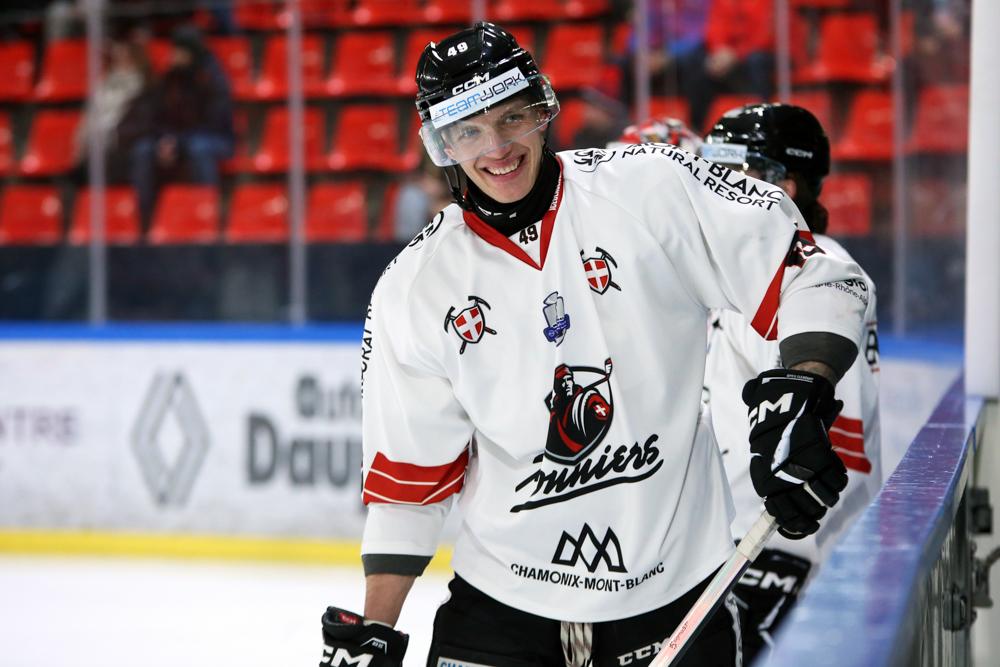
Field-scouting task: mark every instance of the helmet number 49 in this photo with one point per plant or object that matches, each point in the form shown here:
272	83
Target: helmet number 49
461	47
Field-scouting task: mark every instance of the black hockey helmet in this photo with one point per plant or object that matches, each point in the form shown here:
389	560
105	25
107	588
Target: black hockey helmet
466	74
775	139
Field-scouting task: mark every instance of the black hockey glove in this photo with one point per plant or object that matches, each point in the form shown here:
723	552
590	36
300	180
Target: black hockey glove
793	467
350	639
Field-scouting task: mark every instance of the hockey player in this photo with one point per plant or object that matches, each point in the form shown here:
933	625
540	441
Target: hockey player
785	145
536	356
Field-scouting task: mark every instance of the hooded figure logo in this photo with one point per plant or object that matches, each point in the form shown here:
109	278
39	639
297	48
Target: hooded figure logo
579	416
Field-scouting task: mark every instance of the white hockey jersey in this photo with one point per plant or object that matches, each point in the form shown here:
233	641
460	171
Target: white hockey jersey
559	399
736	354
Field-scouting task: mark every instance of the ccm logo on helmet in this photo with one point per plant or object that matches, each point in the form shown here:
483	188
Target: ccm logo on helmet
799	152
471	83
759	413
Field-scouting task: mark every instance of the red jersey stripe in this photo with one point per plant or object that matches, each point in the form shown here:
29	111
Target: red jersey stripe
854	461
408	483
850	443
765	321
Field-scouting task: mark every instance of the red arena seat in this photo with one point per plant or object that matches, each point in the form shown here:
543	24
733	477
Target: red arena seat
867	133
272	84
17	62
574	55
64	72
6	145
273	154
848	199
367	137
447	11
337	213
848	51
30	215
670	107
526	10
121	220
51	143
234	55
364	63
386	12
186	214
941	122
258	213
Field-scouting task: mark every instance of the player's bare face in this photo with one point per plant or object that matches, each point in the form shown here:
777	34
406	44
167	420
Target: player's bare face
507	144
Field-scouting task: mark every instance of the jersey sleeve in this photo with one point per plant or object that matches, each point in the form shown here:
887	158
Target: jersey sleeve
415	435
741	244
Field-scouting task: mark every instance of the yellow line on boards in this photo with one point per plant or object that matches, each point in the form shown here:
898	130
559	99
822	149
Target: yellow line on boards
322	552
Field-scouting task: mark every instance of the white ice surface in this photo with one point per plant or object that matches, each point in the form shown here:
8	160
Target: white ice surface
56	612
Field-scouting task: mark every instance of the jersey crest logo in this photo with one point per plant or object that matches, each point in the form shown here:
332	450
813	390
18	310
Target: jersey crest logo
555	314
590	550
469	324
579	416
598	271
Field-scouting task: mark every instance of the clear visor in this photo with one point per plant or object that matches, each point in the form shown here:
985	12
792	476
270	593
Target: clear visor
738	158
466	126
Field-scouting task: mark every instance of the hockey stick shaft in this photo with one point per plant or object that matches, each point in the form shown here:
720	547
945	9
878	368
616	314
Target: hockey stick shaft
716	591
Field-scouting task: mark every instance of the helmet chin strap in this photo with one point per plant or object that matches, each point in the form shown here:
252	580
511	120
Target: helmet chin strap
453	175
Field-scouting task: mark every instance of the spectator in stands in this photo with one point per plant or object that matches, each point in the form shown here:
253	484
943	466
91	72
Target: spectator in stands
420	197
740	41
189	121
675	53
126	76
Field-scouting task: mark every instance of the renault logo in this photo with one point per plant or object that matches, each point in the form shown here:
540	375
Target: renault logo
170	471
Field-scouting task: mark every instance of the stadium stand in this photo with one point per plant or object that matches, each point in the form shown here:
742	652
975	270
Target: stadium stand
121	221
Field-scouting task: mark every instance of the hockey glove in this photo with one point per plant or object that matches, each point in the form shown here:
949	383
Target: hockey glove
350	639
793	467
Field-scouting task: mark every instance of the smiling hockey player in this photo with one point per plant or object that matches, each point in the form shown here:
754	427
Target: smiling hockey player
587	554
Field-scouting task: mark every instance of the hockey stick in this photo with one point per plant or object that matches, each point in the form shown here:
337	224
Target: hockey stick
713	595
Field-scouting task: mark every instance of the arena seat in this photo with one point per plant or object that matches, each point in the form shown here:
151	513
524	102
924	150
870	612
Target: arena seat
261	15
121	220
258	213
580	9
848	199
526	10
363	63
64	72
17	62
447	11
941	121
321	14
6	144
30	215
568	122
668	106
185	214
848	51
367	137
234	54
337	212
386	12
50	146
867	134
273	155
272	84
574	55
